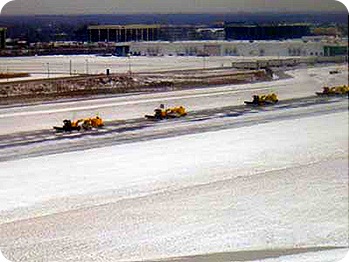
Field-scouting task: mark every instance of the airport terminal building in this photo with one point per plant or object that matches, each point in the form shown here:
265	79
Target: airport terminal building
232	40
154	32
261	48
230	31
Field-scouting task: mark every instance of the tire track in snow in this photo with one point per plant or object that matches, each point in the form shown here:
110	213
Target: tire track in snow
100	105
31	144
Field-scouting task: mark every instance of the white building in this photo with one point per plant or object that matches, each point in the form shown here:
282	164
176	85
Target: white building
230	48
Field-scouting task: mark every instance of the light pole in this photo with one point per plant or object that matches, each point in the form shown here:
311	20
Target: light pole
86	66
48	70
70	67
129	63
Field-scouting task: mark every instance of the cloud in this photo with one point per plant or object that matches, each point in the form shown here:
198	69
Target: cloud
27	7
3	3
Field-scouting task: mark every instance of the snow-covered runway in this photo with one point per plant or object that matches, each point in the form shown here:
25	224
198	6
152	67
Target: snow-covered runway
271	185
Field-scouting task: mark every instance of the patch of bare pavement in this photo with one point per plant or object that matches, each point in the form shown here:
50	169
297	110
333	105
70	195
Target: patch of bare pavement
46	142
249	255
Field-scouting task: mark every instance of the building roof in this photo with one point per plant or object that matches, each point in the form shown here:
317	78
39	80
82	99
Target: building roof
288	41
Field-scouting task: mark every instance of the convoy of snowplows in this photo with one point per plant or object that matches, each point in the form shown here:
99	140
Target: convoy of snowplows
161	112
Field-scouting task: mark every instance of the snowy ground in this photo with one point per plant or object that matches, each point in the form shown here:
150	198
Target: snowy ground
81	64
260	187
256	189
58	66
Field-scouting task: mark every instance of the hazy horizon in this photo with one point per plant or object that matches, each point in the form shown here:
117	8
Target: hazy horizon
90	7
179	13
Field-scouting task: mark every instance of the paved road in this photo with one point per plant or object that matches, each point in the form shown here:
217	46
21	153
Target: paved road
47	141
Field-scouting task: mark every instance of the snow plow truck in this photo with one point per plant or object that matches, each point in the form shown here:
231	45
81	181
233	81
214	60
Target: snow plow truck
166	113
85	124
334	91
260	100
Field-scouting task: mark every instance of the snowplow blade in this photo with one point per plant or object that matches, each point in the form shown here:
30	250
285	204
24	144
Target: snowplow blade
149	116
66	129
250	103
58	128
262	100
152	117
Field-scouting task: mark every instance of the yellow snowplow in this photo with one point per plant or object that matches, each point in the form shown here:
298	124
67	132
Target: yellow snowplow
260	100
166	113
69	126
85	123
334	91
94	122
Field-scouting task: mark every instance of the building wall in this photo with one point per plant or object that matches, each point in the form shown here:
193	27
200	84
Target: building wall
335	50
229	48
2	37
176	33
273	48
265	32
127	33
137	33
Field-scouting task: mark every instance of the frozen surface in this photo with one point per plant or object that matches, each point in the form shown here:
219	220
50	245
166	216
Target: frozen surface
206	157
340	255
277	185
305	82
40	66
